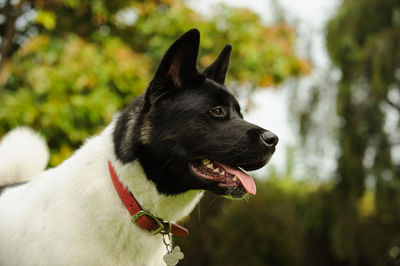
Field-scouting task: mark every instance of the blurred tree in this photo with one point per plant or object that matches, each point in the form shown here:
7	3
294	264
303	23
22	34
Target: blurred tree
62	60
363	41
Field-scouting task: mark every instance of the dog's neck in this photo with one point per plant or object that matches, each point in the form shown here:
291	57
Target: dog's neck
171	208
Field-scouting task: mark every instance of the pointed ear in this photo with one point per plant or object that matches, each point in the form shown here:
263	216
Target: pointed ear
217	70
180	59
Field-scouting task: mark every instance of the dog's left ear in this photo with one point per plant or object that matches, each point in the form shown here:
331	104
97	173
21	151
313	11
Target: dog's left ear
217	70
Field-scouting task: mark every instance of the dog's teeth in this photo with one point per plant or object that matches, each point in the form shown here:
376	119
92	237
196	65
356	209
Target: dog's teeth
216	170
235	178
206	161
211	166
223	173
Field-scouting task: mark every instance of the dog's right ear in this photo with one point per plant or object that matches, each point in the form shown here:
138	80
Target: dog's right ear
177	66
179	62
217	70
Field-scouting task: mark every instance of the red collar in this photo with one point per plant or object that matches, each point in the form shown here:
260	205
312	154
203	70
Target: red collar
143	218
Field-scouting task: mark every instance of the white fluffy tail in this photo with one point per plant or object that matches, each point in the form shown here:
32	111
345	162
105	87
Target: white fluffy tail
23	155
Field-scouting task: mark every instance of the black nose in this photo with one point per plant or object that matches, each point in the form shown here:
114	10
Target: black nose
269	138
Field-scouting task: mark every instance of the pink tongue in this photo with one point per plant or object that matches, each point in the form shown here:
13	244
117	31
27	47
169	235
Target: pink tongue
246	180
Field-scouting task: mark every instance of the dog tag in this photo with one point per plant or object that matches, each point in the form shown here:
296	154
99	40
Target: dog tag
173	257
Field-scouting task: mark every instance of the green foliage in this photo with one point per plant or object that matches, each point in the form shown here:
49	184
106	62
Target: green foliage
262	55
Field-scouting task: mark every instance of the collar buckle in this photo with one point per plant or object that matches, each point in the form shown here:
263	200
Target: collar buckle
159	223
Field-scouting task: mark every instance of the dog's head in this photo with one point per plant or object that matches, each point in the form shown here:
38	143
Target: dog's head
187	130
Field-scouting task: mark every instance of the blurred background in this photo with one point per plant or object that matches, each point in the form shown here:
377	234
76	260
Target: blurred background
323	75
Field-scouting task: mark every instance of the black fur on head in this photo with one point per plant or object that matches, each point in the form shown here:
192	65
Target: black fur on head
186	116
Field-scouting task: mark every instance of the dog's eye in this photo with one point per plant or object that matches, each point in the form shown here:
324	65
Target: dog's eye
218	111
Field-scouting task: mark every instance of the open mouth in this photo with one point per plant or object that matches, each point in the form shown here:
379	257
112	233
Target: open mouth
223	175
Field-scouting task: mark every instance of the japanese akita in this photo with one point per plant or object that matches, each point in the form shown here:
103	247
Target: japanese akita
116	198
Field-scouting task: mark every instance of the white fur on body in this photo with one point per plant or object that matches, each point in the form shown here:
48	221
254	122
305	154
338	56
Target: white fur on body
72	215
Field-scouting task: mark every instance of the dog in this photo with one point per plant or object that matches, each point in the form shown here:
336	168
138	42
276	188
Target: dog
184	135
